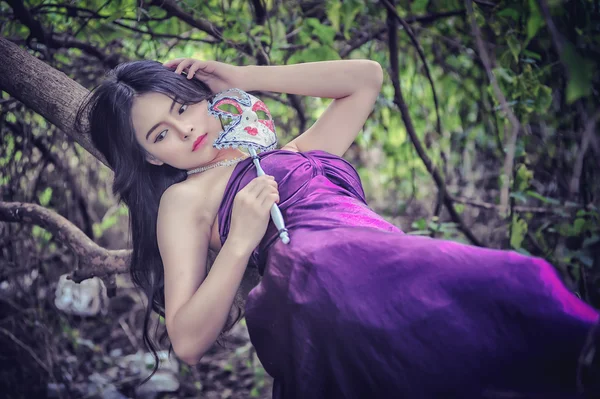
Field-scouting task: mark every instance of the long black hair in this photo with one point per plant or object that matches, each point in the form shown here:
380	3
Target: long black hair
138	183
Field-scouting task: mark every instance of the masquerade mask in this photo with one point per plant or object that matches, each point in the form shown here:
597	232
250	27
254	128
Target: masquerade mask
246	121
248	125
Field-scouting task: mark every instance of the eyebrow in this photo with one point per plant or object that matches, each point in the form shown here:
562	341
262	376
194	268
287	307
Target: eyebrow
155	126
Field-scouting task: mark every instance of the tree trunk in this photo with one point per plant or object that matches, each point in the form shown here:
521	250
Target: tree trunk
45	90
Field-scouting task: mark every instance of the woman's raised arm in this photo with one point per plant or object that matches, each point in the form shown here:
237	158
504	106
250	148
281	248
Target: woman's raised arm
353	84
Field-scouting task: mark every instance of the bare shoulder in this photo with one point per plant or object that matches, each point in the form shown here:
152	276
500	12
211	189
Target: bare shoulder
183	197
291	146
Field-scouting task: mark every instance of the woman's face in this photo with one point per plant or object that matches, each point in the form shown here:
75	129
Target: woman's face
168	130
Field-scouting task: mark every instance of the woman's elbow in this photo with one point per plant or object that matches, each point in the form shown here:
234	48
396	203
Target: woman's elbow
375	74
187	354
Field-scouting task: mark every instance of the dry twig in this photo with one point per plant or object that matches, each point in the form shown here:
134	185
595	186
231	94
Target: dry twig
510	143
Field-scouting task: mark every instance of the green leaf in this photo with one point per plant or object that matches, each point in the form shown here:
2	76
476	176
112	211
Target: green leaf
323	32
518	231
581	73
523	177
532	54
519	196
311	54
546	200
45	196
515	46
578	226
350	8
505	74
543	99
333	13
510	13
535	20
419	6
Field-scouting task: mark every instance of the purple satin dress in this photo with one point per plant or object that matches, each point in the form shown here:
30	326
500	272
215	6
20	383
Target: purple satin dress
355	308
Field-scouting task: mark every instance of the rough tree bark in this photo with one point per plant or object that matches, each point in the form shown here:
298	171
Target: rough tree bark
43	89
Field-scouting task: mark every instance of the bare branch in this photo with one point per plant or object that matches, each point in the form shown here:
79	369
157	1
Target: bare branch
93	259
421	53
64	169
366	37
556	39
56	41
511	142
522	209
586	139
91	14
399	101
173	9
37	10
27	349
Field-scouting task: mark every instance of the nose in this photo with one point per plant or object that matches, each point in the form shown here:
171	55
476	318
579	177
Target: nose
184	129
187	132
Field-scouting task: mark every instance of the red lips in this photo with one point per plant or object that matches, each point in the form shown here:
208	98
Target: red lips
199	141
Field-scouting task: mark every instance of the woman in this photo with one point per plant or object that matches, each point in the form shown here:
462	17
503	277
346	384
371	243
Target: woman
351	307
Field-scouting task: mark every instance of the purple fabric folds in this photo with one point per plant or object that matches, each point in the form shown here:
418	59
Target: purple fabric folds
355	308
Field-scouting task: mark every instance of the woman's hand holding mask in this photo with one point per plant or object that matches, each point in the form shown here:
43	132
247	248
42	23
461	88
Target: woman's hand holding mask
251	212
216	75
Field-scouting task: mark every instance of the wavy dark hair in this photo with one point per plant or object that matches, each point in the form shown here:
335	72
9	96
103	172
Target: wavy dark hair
138	183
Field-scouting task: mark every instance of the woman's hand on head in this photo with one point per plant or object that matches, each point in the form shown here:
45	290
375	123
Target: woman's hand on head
217	75
251	212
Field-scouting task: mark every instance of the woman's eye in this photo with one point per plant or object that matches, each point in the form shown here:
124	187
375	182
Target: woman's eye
160	136
182	109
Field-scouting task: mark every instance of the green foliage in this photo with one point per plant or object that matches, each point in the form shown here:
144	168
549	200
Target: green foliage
550	86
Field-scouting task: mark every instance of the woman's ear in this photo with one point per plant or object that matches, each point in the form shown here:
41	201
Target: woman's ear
153	160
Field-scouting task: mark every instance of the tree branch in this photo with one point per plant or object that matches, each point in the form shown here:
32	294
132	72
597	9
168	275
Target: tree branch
96	15
260	12
399	101
44	90
522	209
511	142
61	167
419	49
93	259
586	139
54	41
173	9
27	349
366	37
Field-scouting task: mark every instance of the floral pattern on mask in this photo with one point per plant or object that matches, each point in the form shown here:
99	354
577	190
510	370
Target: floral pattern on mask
246	121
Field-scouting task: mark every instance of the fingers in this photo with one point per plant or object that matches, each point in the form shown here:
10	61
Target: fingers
262	190
183	65
259	182
194	67
173	63
267	199
190	65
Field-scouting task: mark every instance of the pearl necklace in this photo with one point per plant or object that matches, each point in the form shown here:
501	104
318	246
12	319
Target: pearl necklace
226	162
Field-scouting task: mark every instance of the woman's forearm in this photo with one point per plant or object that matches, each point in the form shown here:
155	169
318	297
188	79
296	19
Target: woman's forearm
198	323
329	79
